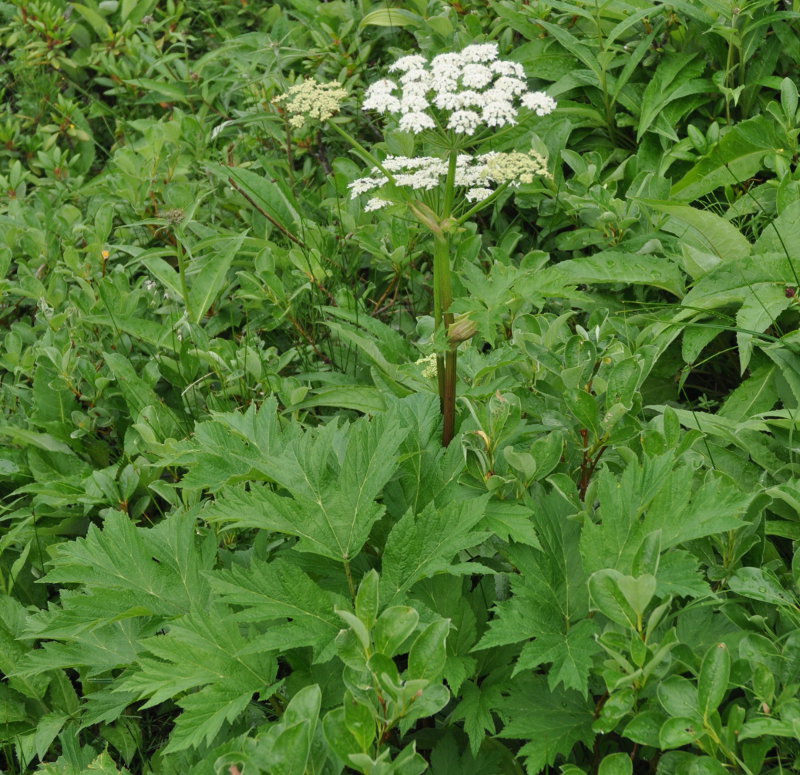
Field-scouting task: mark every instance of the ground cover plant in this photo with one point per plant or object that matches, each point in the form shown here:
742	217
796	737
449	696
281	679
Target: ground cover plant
402	388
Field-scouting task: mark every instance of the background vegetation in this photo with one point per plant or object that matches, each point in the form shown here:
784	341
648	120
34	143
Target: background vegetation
231	541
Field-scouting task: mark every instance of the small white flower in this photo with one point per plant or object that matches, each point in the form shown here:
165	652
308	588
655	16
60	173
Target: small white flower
453	88
464	122
505	67
416	122
476	76
384	85
478	194
443	84
379	97
480	52
363	185
376	203
499	112
469	98
473	173
448	100
428	363
382	102
539	102
413	103
510	85
416	89
448	65
311	99
411	62
418	75
469	174
515	168
426	176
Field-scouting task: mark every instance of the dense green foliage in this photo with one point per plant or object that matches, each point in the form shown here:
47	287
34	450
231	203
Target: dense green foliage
231	540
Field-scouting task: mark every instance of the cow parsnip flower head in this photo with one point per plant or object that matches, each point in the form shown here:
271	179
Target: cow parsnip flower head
311	99
515	168
461	91
420	173
428	364
475	173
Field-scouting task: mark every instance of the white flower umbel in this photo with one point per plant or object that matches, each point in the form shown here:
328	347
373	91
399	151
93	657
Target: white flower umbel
514	168
376	203
464	121
311	99
474	173
461	91
539	102
476	194
428	364
416	122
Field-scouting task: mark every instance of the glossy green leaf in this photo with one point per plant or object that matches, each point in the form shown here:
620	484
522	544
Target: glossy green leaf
616	267
391	17
712	683
738	156
616	764
710	232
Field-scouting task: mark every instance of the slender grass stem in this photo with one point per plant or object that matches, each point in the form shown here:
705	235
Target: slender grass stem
182	276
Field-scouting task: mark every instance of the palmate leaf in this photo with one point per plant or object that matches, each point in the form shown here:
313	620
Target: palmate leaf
450	597
475	709
571	654
100	649
205	711
132	581
85	765
424	469
657	495
231	447
270	592
333	476
422	545
549	602
201	651
129	571
551	721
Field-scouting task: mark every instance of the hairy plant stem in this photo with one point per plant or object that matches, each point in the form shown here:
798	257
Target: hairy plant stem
445	363
443	292
441	225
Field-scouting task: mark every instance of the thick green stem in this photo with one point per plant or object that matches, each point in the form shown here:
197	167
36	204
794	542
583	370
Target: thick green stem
480	205
445	365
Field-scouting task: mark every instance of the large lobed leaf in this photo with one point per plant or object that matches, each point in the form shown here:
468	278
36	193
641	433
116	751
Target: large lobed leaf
551	722
301	612
549	602
333	477
662	496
